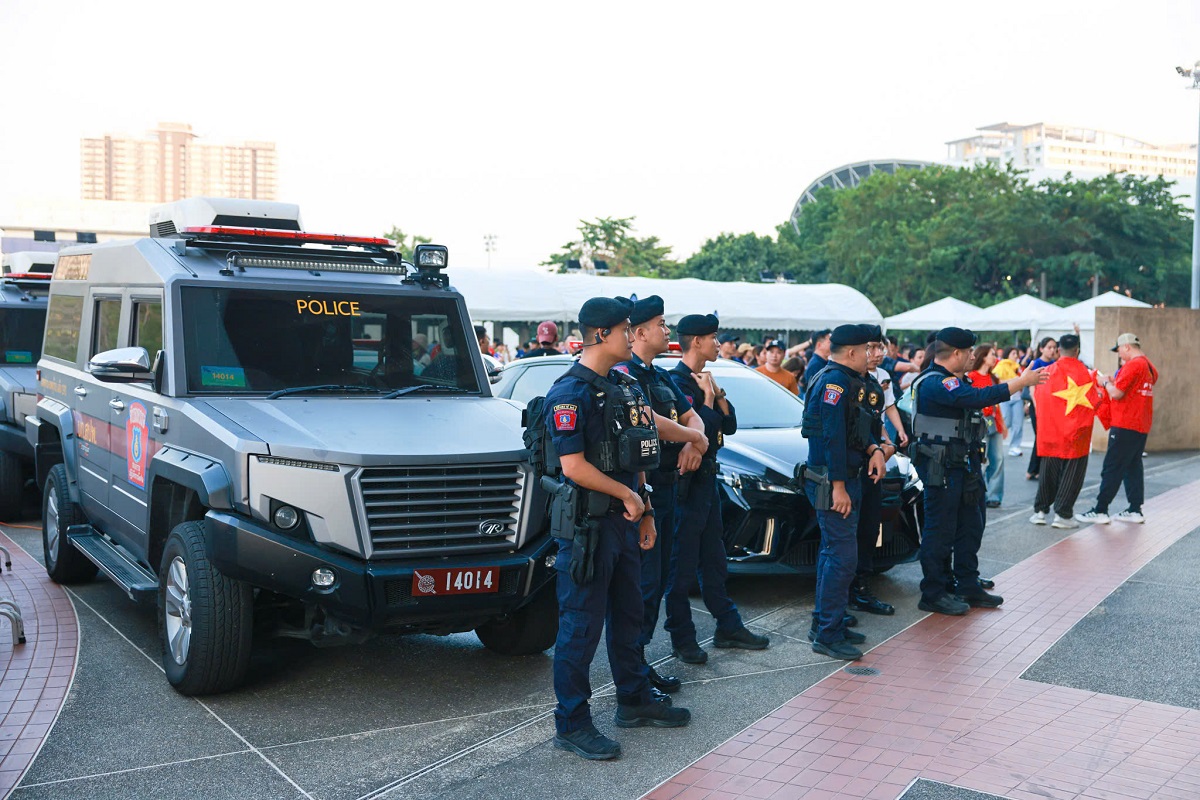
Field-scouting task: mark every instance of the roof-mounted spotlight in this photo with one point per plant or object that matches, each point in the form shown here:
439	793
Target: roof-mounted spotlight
431	261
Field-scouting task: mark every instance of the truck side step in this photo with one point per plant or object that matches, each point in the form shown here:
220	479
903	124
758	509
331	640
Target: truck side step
134	579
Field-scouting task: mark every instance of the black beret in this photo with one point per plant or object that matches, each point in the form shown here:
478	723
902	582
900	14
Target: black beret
646	308
875	332
849	335
956	337
604	312
698	325
931	338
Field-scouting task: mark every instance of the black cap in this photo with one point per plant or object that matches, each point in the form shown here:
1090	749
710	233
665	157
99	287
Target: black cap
1068	342
646	308
604	312
849	335
956	337
726	338
698	325
769	343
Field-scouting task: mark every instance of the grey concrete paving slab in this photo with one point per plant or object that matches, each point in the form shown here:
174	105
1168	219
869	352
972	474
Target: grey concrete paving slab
120	714
1141	642
243	775
932	790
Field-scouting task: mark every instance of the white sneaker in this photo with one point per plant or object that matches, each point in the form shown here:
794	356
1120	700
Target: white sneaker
1130	516
1064	522
1093	518
1016	451
1038	518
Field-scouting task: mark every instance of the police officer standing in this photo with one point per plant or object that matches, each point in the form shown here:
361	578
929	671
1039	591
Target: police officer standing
604	437
838	427
877	400
950	444
698	539
651	337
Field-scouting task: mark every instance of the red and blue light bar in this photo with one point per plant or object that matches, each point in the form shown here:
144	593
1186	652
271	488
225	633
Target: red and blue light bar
292	236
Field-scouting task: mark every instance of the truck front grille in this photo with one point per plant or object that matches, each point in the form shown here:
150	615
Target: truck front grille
442	510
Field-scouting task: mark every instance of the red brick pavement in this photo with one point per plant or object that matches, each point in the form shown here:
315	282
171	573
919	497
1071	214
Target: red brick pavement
949	705
34	677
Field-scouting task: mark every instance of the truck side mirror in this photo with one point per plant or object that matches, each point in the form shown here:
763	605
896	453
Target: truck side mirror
123	365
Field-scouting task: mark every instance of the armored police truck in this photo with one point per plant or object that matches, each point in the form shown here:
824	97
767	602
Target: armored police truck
22	319
262	426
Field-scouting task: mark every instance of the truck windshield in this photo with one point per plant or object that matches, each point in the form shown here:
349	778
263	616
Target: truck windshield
243	341
21	332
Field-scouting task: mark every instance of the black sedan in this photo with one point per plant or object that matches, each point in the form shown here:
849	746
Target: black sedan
770	527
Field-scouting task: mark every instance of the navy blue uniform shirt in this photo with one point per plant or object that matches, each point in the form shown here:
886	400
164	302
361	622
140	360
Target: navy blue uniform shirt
834	394
717	425
574	417
944	395
815	365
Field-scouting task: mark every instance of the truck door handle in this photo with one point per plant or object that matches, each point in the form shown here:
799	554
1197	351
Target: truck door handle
81	391
116	405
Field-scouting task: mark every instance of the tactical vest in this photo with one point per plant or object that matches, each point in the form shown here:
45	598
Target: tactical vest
662	400
859	420
631	439
952	440
874	403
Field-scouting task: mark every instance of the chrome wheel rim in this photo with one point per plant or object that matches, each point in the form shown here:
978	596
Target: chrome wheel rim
52	525
178	611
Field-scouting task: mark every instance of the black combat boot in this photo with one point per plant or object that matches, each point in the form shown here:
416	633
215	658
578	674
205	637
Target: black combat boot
663	683
861	599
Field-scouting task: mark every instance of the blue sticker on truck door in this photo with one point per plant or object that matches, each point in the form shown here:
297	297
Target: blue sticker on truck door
137	444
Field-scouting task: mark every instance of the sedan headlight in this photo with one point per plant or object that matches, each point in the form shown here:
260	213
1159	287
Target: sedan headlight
729	478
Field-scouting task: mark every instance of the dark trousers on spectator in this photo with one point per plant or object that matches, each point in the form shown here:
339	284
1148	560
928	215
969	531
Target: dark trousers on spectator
1123	463
1059	483
1035	461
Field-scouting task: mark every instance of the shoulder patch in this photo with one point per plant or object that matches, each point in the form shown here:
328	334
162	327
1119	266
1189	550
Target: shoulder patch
622	368
565	416
690	399
950	383
833	394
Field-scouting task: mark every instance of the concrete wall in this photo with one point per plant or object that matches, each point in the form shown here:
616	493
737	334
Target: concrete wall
1167	336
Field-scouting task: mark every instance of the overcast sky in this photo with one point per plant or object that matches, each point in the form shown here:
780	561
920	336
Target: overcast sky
456	119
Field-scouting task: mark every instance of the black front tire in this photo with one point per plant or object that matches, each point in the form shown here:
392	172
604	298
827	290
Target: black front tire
214	613
528	630
64	564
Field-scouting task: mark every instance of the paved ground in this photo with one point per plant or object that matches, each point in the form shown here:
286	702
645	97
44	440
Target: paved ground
429	716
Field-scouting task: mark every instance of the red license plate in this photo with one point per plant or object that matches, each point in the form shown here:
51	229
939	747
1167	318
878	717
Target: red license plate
440	582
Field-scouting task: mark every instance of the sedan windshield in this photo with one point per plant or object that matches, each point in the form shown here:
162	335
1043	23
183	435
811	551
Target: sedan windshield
265	341
759	401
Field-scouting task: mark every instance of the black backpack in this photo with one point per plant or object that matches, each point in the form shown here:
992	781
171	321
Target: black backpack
542	456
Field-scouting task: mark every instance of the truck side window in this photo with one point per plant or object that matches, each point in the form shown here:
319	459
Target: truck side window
147	326
62	326
105	325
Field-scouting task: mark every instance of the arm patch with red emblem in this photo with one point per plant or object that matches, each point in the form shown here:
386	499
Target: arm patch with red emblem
566	415
833	394
622	368
950	383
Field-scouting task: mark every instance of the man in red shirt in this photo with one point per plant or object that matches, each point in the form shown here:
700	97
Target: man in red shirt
1132	393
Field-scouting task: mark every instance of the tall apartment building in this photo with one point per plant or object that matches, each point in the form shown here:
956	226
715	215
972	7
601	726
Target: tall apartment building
171	163
1083	151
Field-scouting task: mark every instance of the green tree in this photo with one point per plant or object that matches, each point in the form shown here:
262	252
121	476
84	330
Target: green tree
405	244
612	240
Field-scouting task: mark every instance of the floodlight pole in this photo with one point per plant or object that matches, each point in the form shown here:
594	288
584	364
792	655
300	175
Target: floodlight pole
1194	74
489	246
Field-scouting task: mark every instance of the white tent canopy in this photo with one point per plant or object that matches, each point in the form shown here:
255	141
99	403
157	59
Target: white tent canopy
511	295
936	315
1084	313
1024	312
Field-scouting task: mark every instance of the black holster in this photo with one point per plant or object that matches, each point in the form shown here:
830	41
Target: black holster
931	459
575	515
824	493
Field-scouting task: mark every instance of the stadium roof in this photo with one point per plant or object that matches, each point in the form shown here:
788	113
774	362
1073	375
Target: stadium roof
852	175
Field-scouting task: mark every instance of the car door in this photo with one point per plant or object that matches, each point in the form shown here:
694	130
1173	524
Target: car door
131	410
91	410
